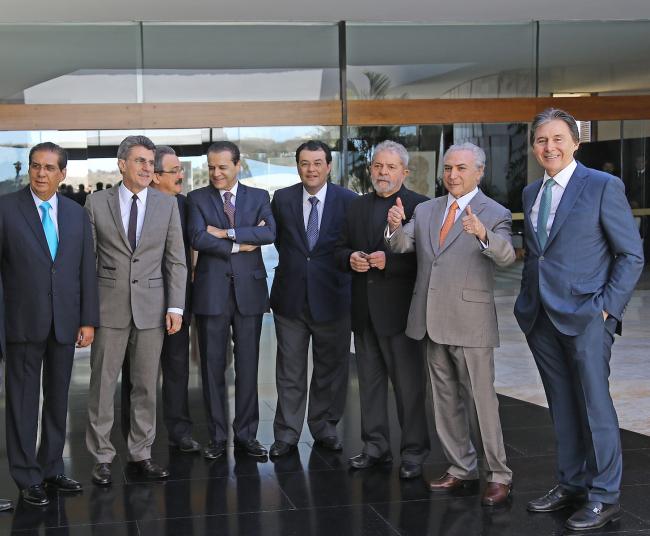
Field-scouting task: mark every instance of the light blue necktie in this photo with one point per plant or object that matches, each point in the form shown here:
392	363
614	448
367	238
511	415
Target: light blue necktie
312	223
544	212
50	230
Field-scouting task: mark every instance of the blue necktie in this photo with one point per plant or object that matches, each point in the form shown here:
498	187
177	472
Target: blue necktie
312	223
50	230
544	212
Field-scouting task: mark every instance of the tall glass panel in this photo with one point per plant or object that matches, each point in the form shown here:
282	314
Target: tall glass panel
594	58
240	62
69	63
408	61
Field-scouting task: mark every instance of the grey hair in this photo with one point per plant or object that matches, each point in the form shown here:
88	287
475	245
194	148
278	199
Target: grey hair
550	114
479	154
130	142
393	147
161	152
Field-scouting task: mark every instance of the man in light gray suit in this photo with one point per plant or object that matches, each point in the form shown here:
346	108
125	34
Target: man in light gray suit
142	276
458	239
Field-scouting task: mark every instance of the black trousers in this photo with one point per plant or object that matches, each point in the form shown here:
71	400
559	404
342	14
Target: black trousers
175	364
214	334
329	380
402	360
23	385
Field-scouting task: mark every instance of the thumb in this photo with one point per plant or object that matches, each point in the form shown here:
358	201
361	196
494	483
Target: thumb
468	209
398	202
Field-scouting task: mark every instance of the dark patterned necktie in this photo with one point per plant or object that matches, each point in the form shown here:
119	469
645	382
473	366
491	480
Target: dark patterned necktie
133	221
229	208
312	223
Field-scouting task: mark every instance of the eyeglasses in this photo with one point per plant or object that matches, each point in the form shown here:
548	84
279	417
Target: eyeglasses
142	161
173	171
47	167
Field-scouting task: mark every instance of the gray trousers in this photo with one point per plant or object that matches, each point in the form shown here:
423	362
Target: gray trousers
465	406
399	358
107	354
329	380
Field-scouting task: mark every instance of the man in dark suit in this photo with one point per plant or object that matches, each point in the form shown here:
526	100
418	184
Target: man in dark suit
382	285
50	284
583	259
310	298
227	222
5	504
175	356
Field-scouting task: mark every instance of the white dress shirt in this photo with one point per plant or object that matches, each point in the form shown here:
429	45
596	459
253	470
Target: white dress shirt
306	205
54	209
126	197
557	191
233	202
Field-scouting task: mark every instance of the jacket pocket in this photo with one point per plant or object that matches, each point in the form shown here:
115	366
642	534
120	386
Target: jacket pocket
479	296
156	282
587	287
259	274
105	281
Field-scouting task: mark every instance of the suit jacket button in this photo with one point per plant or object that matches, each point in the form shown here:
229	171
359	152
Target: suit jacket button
541	258
134	281
53	270
308	258
136	260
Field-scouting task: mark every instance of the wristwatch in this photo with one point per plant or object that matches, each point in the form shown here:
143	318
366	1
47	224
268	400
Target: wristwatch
231	234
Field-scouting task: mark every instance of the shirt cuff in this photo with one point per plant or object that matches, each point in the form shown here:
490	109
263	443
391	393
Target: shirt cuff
387	234
235	248
175	310
484	245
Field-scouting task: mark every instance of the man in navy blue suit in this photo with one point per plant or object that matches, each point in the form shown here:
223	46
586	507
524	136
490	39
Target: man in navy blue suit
227	222
583	259
310	299
48	271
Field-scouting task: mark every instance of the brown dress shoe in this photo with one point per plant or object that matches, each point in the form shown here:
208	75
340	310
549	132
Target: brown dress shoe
496	494
448	482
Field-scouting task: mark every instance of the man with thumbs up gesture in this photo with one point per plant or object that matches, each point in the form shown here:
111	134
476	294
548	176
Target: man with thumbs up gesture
458	239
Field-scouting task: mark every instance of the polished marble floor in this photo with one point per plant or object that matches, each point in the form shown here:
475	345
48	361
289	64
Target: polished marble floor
312	491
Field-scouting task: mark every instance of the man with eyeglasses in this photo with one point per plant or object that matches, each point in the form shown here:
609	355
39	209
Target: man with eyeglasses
142	277
175	356
47	264
310	298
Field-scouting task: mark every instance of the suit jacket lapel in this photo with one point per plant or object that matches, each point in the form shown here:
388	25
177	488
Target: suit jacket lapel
114	206
31	214
436	215
240	205
328	209
529	201
222	220
63	222
150	211
296	209
573	190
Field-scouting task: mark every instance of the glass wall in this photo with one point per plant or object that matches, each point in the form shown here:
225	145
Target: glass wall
452	61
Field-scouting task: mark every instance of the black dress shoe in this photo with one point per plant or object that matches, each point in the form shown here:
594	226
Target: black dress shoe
186	444
329	443
63	483
6	504
280	448
593	515
555	499
363	460
252	447
149	469
35	495
410	470
214	450
101	474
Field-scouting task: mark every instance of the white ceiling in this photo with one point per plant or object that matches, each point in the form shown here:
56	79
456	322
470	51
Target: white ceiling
423	11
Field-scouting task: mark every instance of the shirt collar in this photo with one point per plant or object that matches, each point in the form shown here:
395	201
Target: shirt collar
562	178
462	201
233	190
126	194
320	195
53	201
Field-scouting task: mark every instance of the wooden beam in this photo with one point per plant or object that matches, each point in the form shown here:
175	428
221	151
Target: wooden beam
448	111
168	115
